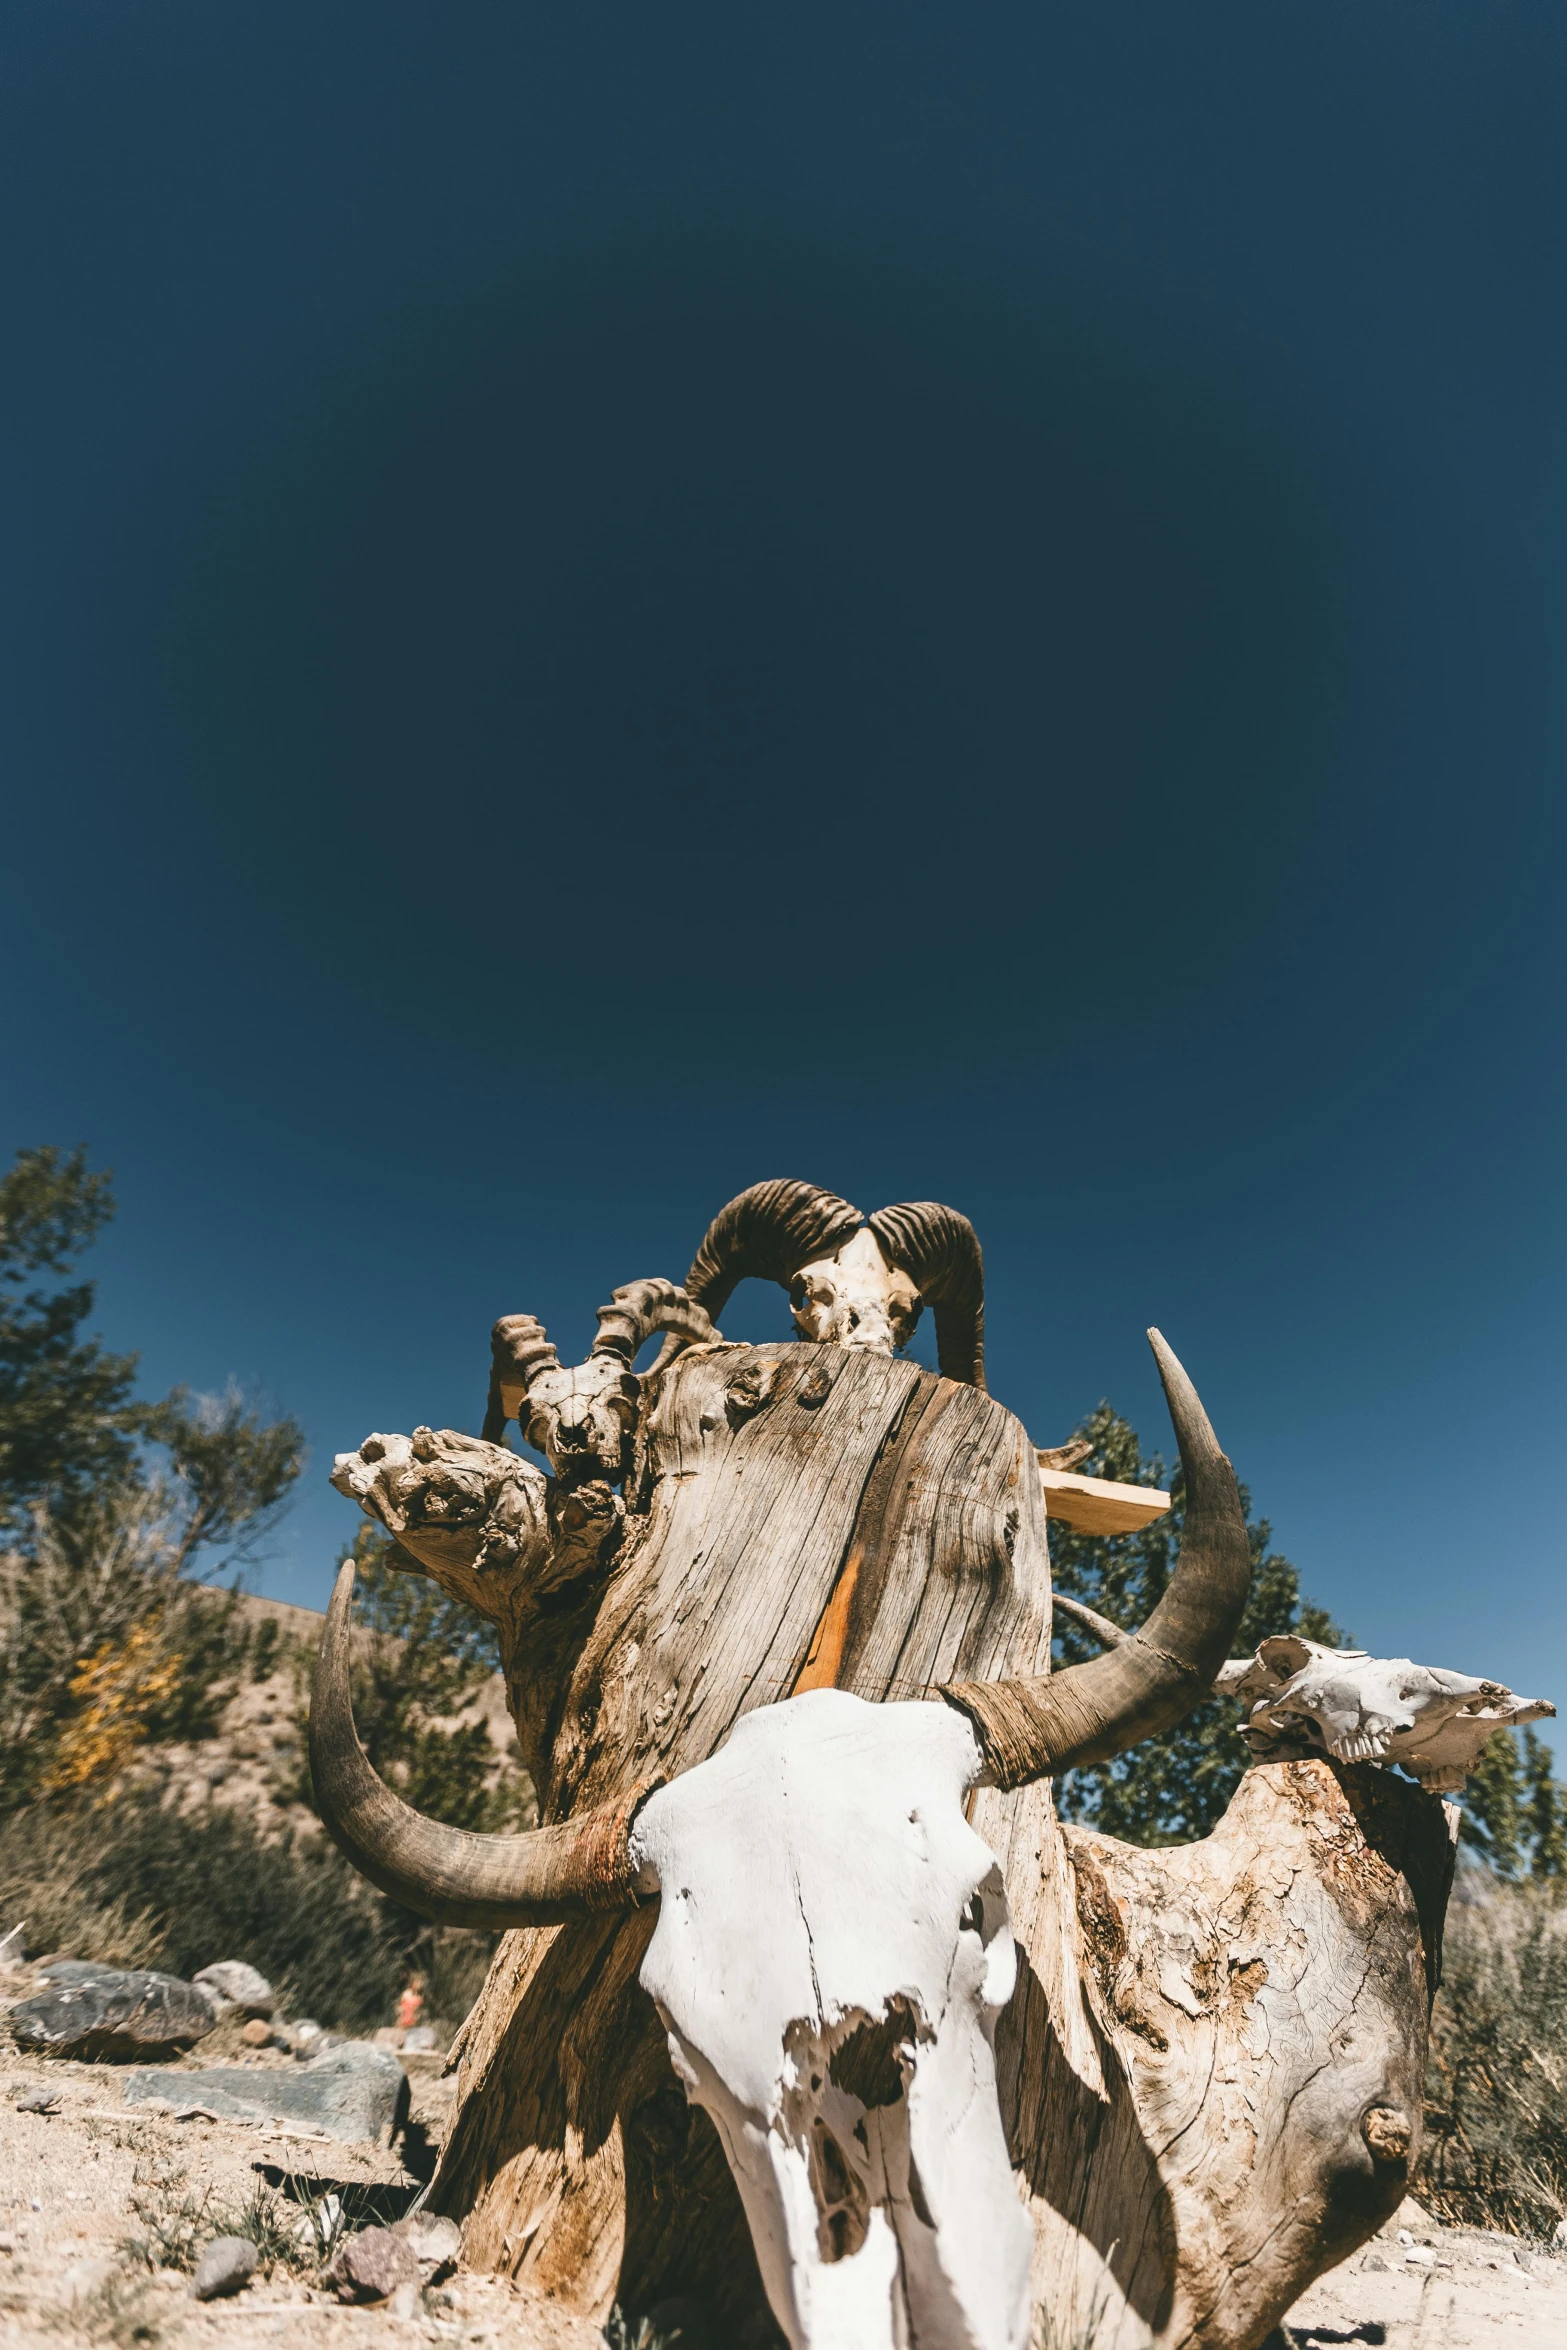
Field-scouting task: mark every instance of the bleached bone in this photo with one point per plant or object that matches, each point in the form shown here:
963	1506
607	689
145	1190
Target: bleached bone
475	1516
856	1298
474	1505
832	1951
1361	1708
582	1415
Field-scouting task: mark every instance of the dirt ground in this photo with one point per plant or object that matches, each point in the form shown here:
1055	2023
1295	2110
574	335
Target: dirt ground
92	2194
1423	2287
80	2186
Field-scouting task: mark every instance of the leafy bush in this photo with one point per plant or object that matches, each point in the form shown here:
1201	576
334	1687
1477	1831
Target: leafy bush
1496	2126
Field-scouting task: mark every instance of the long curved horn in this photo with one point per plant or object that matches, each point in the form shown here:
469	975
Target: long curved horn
940	1252
445	1873
1032	1729
635	1312
771	1231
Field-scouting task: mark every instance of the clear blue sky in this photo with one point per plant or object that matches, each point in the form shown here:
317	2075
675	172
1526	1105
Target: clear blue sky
600	603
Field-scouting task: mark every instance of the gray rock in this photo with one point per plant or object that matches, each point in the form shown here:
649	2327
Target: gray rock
356	2093
226	2266
419	2039
305	2038
372	2265
99	2011
233	1985
38	2101
434	2243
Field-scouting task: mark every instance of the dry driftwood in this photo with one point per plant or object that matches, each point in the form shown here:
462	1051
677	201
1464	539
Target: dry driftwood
1209	2073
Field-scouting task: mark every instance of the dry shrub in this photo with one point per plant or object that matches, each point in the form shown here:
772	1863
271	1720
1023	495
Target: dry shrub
136	1882
46	1888
1496	2122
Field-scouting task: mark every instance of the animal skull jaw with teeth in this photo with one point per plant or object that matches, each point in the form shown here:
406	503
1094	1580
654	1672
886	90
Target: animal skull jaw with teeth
1361	1708
831	1954
856	1298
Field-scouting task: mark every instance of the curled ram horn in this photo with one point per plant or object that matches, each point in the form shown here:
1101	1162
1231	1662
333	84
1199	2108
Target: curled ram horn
635	1312
583	1416
939	1250
519	1351
768	1233
851	1283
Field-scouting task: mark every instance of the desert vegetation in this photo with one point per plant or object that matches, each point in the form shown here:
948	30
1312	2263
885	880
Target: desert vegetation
127	1531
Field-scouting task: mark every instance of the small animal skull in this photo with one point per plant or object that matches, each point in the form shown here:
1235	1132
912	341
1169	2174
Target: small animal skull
831	1954
1361	1708
467	1502
856	1298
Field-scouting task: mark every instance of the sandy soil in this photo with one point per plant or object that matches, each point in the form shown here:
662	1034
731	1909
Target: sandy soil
76	2185
81	2185
1423	2287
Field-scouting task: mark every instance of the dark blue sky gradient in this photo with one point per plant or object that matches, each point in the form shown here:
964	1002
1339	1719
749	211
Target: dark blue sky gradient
599	604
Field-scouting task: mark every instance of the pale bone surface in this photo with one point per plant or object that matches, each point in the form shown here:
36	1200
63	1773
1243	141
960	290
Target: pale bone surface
831	1954
856	1298
1300	1697
805	1514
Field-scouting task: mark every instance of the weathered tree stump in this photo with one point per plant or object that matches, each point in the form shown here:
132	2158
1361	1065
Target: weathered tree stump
1210	2072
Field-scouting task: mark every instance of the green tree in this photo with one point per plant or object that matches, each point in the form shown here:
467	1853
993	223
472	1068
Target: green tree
1177	1786
107	1505
1515	1813
68	1421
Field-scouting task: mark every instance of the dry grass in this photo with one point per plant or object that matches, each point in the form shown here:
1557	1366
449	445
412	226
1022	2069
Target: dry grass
1496	2119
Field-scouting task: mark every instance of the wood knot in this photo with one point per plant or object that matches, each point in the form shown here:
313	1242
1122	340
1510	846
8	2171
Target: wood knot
748	1390
1387	2132
814	1388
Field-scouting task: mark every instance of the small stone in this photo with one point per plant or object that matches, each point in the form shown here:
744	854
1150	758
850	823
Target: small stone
226	2266
38	2101
371	2265
233	1984
1419	2257
1374	2260
315	2228
434	2243
84	2279
418	2039
256	2034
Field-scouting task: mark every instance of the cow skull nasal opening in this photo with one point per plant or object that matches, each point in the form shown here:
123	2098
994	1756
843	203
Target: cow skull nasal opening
856	1298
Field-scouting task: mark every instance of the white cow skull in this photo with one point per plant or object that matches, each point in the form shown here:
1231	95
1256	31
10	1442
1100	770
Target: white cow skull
831	1954
856	1298
1361	1708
